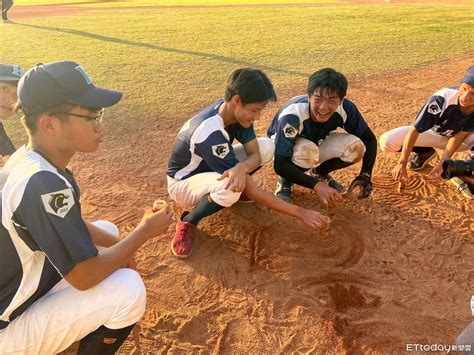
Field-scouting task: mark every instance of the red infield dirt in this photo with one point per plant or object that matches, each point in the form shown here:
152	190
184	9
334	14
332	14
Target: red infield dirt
25	12
39	11
395	269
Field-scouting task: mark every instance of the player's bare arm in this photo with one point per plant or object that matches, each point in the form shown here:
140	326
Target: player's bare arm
400	170
311	218
451	147
253	160
327	194
236	178
237	174
100	237
90	272
104	239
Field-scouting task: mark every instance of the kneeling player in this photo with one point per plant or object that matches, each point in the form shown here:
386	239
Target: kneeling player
304	131
208	172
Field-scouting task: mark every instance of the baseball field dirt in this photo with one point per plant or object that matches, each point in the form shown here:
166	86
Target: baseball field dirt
394	269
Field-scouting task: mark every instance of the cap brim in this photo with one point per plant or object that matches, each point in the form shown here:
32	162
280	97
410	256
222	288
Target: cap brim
9	78
468	80
98	97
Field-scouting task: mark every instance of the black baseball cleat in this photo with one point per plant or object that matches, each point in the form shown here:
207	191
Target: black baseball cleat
419	160
283	190
335	185
329	180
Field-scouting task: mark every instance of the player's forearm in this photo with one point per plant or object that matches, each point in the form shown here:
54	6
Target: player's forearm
252	162
408	145
100	237
452	146
90	272
286	169
370	155
269	200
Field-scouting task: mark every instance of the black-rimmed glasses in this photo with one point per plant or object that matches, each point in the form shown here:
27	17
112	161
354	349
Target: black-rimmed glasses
98	118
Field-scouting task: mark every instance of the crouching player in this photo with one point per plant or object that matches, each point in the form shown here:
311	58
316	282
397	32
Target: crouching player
306	135
208	172
55	286
445	122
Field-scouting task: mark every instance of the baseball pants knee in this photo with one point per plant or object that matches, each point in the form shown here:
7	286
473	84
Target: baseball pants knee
347	147
190	191
265	146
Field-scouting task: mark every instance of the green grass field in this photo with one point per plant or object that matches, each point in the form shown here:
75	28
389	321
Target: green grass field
169	60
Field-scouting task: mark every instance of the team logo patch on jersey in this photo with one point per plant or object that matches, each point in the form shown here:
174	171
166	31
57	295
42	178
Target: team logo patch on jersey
58	203
220	150
289	131
434	108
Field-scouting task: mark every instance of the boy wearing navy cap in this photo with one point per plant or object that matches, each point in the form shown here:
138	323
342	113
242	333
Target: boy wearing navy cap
56	286
9	77
445	122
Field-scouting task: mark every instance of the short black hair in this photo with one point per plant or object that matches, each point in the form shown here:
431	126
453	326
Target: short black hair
329	81
252	85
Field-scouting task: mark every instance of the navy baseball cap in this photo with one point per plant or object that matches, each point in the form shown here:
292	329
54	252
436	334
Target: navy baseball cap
9	72
469	76
47	85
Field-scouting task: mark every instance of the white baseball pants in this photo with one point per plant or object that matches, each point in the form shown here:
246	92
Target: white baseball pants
65	315
392	141
347	147
190	191
466	339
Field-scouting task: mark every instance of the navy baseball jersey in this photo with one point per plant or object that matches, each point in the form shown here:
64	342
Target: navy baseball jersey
42	236
293	120
442	114
203	144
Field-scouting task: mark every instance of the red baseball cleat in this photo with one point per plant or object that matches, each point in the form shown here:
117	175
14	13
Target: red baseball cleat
182	243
